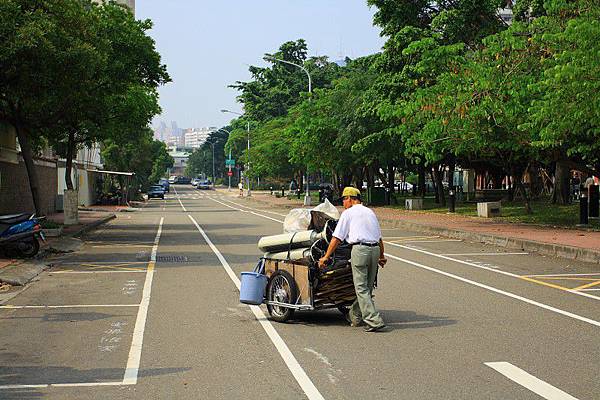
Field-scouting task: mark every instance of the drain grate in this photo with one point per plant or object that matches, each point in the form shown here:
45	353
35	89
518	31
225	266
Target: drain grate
171	258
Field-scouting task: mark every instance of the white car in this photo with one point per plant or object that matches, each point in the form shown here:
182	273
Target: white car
406	186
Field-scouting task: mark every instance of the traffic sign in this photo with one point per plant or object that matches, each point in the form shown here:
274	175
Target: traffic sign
230	162
229	173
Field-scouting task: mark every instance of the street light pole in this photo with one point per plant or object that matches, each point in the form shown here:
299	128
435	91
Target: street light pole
228	176
249	193
213	162
307	199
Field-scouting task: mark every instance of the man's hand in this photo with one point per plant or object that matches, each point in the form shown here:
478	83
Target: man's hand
323	261
382	261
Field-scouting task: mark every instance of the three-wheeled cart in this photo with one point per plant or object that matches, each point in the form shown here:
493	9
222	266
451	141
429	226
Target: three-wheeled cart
300	285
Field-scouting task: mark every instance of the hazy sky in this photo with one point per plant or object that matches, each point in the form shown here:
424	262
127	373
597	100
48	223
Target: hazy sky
209	44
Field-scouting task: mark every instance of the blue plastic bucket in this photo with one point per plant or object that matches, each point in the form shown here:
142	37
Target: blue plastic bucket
252	288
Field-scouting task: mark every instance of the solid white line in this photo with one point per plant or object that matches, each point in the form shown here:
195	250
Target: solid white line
497	271
254	209
177	194
502	292
89	384
589	290
529	381
135	352
97	272
299	374
246	211
483	254
431	241
24	386
534	276
9	307
46	385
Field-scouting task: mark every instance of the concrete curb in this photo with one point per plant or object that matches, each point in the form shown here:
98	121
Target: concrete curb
21	274
551	249
93	225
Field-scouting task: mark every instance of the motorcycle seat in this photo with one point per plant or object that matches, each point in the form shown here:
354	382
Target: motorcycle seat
13	218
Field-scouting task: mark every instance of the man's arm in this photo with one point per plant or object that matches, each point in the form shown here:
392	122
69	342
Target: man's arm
330	249
382	259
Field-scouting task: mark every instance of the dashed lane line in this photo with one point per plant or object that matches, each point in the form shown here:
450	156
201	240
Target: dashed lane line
13	307
529	381
499	291
497	271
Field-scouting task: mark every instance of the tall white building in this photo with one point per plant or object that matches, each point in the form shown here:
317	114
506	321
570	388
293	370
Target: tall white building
195	138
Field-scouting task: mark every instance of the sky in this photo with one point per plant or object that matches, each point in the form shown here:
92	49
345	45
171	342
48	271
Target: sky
209	44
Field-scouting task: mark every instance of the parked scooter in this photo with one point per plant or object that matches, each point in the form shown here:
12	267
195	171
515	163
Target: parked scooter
20	233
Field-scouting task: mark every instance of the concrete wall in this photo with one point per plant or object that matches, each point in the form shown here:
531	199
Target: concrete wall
15	194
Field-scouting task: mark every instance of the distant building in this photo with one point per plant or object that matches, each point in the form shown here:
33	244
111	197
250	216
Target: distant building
180	159
195	138
128	3
506	12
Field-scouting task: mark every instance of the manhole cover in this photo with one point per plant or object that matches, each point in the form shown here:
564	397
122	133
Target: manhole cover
172	258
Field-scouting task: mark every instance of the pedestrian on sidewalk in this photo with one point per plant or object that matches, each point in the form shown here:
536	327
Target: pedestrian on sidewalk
359	226
241	187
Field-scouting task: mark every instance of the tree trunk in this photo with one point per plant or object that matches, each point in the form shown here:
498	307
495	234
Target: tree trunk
439	186
526	198
421	182
390	182
27	154
561	183
69	162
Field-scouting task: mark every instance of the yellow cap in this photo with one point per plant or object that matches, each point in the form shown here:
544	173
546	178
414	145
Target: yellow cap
351	191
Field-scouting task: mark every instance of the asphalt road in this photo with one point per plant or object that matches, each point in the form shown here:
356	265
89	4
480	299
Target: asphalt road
149	310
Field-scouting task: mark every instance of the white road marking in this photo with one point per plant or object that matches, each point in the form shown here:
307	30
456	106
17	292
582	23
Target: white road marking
46	385
135	352
177	194
246	211
97	272
299	374
495	290
529	381
11	307
432	241
483	254
541	276
481	266
254	209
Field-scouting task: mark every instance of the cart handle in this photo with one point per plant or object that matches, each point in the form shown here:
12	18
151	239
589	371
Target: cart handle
260	266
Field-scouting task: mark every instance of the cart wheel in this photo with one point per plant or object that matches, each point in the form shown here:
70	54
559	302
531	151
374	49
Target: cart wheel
281	288
344	310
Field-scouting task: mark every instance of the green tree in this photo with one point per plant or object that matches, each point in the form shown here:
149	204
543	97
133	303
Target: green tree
68	68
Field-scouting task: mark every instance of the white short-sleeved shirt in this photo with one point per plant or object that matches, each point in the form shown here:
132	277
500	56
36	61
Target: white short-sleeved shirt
358	224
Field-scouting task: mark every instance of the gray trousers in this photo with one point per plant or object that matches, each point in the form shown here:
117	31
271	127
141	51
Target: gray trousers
364	270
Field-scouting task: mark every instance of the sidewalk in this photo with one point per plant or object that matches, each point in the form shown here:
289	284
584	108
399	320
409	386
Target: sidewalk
20	271
575	244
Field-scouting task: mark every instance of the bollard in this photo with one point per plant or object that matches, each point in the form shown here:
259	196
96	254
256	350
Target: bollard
282	191
388	197
583	209
271	190
593	201
451	201
298	193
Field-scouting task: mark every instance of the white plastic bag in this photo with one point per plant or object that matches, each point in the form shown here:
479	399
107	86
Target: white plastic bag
298	219
327	208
